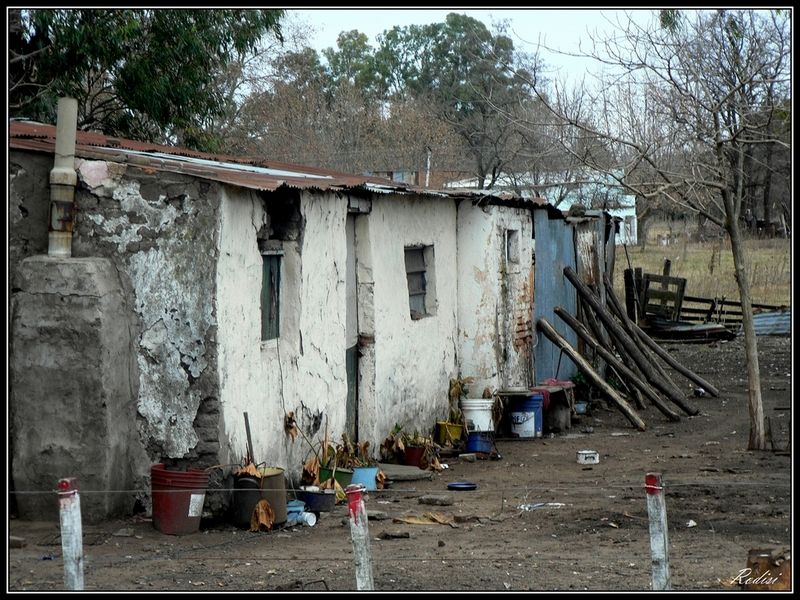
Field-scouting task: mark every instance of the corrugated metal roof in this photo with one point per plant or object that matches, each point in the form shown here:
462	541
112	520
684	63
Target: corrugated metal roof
248	172
777	322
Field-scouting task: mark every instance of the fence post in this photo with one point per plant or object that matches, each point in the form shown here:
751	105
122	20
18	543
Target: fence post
71	532
359	532
659	544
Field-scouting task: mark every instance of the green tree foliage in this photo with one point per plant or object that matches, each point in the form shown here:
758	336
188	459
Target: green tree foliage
353	63
473	78
144	74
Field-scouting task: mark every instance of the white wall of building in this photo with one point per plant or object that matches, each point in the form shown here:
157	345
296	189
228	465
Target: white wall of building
627	233
405	373
303	371
494	297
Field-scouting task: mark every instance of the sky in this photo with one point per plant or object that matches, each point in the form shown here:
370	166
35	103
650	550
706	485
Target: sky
564	30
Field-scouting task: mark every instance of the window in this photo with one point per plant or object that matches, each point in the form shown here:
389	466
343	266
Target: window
270	294
419	272
512	246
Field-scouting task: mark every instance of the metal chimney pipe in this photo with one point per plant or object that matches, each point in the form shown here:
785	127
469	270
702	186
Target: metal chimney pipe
63	180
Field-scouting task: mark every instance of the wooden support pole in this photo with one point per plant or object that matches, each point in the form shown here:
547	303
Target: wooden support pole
69	504
359	533
645	366
591	374
631	300
633	332
250	456
664	284
659	542
668	358
616	363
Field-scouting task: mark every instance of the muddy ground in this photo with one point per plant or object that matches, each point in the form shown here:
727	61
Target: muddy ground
721	502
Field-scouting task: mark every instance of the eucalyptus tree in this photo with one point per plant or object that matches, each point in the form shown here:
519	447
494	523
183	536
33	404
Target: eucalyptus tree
463	71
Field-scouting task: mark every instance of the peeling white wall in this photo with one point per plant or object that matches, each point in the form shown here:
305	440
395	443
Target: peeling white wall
167	250
411	361
304	370
494	297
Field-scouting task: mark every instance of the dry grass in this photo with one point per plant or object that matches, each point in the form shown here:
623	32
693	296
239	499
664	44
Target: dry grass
708	266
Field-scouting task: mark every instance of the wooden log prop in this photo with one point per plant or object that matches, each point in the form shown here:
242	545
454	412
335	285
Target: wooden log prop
628	325
617	364
591	374
670	360
619	333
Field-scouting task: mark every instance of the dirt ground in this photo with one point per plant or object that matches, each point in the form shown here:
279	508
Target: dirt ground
591	533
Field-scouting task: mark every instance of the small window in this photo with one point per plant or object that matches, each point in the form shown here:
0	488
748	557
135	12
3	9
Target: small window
512	246
270	295
419	272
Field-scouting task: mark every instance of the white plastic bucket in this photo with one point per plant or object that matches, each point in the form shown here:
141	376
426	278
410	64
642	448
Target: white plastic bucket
526	416
478	413
524	424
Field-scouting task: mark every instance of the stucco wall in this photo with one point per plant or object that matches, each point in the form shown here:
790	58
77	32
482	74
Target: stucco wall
160	230
411	361
72	394
494	297
303	371
28	206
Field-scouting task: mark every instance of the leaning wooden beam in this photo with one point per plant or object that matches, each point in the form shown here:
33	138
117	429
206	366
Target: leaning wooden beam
615	329
616	363
629	326
609	343
591	374
668	358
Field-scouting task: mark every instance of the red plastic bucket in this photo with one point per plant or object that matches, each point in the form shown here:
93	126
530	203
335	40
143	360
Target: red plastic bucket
178	498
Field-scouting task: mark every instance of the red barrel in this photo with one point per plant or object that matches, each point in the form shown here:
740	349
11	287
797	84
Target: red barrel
178	498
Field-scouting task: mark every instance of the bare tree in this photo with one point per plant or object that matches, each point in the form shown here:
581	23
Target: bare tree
683	102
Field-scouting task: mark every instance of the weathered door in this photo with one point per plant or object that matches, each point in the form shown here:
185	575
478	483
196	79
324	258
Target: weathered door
351	330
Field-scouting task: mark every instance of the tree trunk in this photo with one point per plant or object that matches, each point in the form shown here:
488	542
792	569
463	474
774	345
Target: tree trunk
758	438
767	201
732	201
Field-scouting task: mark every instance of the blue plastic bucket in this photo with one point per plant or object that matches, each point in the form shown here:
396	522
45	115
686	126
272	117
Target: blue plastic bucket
526	416
480	441
366	476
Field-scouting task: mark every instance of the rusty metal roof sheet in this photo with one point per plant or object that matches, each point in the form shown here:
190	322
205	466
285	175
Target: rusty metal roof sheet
248	172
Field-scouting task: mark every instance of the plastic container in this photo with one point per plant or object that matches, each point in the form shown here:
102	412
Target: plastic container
588	457
478	414
343	476
178	498
249	490
447	432
480	441
366	476
298	515
413	456
317	500
526	416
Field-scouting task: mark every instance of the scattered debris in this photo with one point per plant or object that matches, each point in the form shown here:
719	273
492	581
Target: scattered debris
394	535
471	457
124	532
16	542
263	516
691	523
436	500
426	519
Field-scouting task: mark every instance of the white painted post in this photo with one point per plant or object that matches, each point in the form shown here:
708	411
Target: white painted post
359	533
659	543
71	533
